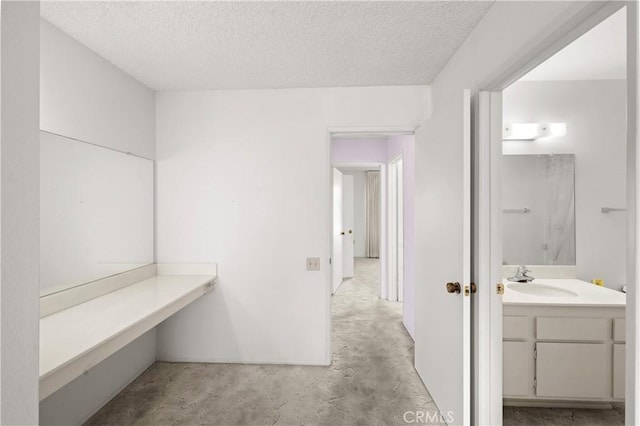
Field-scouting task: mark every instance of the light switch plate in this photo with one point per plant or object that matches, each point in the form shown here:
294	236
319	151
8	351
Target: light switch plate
313	263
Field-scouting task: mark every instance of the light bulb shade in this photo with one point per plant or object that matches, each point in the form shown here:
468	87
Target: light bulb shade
532	131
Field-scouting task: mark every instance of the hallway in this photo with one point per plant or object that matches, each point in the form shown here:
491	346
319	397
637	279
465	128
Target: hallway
371	380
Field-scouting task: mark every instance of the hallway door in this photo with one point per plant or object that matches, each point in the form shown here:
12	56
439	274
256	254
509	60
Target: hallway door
337	237
347	225
443	266
396	230
400	229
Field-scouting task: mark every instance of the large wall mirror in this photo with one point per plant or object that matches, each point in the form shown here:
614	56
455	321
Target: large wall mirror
96	212
539	226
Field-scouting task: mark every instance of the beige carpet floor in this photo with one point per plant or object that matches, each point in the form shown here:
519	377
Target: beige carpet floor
525	416
371	380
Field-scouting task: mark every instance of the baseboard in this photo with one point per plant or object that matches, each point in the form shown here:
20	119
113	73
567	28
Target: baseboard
407	330
242	362
340	285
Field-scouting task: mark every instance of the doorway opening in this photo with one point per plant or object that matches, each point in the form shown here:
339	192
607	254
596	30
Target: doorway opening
358	225
372	214
559	121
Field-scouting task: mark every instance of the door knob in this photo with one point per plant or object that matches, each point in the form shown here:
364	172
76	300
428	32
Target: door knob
453	287
342	233
350	231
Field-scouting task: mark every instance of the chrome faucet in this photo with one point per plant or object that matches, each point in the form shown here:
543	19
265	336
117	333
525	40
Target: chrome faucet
521	276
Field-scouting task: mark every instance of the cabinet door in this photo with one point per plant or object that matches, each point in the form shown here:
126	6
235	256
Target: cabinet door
573	370
619	330
516	359
618	370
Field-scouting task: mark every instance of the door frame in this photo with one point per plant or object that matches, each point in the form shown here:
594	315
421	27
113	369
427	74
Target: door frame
335	259
383	194
330	133
487	389
396	228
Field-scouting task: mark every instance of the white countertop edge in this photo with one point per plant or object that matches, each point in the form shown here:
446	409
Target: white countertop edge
58	376
589	295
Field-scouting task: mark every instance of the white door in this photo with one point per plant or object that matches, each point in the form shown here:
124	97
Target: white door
395	229
337	249
443	255
400	229
392	228
488	260
347	225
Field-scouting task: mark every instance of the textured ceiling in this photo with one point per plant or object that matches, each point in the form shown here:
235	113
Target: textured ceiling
248	45
600	54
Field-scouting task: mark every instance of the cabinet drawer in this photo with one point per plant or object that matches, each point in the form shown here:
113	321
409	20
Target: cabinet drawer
619	330
573	370
516	327
573	329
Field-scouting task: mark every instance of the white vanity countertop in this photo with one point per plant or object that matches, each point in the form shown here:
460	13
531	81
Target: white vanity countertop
70	338
587	294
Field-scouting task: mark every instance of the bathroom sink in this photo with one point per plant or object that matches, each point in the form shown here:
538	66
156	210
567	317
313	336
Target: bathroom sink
544	290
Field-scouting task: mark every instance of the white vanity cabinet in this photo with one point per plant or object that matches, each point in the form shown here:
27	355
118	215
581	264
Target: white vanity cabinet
563	355
619	348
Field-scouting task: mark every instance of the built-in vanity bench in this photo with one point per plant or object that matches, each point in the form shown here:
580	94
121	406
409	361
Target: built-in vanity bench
563	350
82	326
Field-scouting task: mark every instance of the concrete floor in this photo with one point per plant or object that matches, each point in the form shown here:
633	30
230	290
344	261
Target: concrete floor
371	380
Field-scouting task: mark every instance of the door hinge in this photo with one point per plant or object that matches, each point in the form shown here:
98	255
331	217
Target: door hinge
535	354
535	384
329	261
500	288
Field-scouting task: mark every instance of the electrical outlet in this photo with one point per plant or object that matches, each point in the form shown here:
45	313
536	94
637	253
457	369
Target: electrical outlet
313	263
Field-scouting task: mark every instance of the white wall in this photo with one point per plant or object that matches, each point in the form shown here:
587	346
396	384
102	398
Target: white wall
595	113
359	150
85	97
243	180
359	213
19	241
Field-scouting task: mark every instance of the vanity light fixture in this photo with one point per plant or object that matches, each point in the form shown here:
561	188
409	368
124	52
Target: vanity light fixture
532	131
